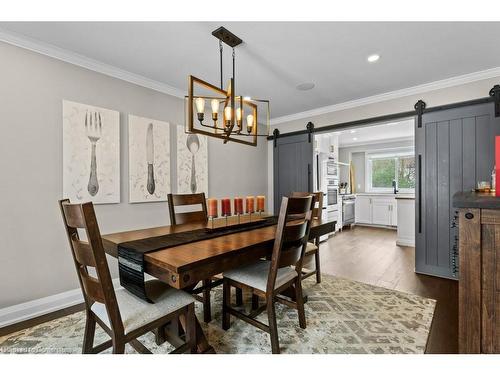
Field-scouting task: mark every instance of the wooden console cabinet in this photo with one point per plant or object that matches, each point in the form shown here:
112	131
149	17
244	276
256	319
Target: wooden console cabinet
479	272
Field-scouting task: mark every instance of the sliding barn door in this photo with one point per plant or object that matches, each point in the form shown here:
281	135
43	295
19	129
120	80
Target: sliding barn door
454	149
293	158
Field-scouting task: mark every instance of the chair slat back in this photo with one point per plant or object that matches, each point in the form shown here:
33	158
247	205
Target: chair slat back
90	253
176	200
292	233
318	202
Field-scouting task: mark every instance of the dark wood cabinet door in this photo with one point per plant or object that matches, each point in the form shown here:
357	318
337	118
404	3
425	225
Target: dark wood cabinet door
490	283
292	164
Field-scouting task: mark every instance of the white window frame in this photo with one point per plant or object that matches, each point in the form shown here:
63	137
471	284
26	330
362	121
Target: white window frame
383	154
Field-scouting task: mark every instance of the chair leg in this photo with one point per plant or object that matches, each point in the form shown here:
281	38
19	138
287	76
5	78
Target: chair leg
239	297
207	313
160	336
317	264
299	300
191	329
273	326
255	301
226	300
88	337
118	346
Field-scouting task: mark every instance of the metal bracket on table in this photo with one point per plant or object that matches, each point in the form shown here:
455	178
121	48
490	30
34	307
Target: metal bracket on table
419	107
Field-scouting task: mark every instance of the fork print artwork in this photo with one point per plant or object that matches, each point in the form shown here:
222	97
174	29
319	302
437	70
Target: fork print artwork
91	153
93	129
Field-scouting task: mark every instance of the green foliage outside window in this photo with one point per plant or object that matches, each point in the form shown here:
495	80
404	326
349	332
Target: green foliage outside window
385	170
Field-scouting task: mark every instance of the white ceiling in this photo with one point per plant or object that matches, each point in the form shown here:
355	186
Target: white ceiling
393	131
278	56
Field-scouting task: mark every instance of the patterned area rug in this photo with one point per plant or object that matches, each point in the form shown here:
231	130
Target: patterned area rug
343	316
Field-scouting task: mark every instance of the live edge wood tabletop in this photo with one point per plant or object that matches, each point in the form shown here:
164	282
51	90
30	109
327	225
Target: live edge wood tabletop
183	266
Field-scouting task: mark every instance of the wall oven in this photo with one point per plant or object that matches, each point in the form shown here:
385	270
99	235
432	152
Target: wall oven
331	168
332	193
332	190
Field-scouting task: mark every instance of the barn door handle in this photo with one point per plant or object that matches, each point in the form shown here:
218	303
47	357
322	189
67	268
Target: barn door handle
419	193
309	177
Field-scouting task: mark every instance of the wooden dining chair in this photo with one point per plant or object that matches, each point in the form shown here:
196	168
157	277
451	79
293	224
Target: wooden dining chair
312	248
122	315
268	278
188	217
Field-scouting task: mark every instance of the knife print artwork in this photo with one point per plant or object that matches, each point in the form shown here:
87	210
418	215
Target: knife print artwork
150	157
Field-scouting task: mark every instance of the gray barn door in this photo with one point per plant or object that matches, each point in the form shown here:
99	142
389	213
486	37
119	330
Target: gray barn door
454	149
293	158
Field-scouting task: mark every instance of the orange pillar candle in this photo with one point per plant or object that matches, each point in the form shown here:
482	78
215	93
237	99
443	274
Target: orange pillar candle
212	207
261	202
226	207
250	204
238	206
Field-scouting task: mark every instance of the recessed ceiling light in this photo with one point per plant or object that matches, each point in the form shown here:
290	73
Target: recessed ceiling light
353	131
355	139
373	58
305	86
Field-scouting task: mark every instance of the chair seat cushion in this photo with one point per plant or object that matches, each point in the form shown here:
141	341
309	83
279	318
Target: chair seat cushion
255	275
136	312
311	248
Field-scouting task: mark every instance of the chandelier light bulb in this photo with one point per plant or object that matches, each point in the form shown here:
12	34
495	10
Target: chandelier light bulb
249	123
228	113
200	105
239	115
227	116
215	105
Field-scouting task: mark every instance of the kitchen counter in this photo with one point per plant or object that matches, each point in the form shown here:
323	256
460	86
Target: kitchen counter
388	195
476	200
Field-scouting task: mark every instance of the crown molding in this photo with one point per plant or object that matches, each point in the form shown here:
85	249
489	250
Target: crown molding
87	63
414	90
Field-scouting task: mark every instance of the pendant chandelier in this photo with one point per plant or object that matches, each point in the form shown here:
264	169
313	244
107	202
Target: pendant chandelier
234	118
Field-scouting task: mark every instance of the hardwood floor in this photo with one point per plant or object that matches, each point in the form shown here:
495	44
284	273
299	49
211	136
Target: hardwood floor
371	255
368	255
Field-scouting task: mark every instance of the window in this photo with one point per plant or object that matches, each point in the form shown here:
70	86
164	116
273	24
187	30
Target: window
384	167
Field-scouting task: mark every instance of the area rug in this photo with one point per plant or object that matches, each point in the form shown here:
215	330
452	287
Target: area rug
343	316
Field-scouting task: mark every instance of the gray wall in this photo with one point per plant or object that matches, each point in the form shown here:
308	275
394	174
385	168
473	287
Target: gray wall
35	259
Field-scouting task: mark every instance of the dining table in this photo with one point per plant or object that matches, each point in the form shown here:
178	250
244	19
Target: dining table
184	266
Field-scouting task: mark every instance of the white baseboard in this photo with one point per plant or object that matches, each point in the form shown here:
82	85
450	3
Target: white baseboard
405	242
38	307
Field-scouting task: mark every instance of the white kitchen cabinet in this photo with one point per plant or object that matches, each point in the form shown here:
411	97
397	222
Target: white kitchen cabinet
381	211
394	212
376	210
406	222
363	210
